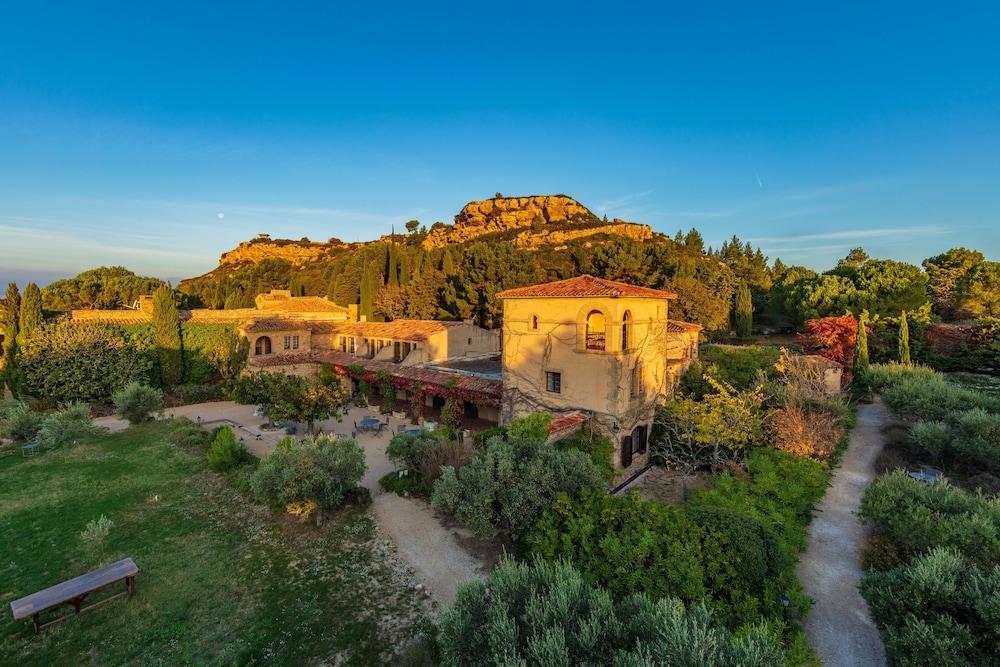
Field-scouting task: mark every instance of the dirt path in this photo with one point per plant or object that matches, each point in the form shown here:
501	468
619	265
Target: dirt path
839	625
439	562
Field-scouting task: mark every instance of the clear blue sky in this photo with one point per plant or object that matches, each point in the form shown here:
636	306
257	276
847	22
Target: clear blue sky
126	129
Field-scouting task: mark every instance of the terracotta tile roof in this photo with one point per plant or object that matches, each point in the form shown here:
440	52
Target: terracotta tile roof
819	359
111	316
489	389
301	304
676	326
566	420
585	286
396	330
277	324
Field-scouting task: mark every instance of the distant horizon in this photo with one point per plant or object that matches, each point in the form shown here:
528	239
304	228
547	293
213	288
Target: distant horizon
155	141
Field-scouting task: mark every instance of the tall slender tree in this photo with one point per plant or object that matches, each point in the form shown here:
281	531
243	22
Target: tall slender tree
904	340
448	263
31	313
861	362
10	318
743	312
367	305
167	336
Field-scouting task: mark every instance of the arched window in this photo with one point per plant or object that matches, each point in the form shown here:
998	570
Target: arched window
595	330
626	330
262	346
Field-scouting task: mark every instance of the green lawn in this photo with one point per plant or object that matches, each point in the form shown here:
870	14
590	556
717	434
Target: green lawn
222	580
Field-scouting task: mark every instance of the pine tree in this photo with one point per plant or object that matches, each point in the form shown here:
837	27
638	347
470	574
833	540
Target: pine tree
167	336
31	313
861	362
743	312
904	340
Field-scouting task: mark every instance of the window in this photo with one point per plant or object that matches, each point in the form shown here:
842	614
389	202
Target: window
626	454
470	341
343	343
626	330
534	322
635	390
295	342
639	439
351	349
262	346
553	382
595	330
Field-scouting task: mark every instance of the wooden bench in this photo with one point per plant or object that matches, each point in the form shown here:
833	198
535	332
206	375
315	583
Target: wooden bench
74	592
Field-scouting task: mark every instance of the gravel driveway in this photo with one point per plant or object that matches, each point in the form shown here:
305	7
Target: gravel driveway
839	625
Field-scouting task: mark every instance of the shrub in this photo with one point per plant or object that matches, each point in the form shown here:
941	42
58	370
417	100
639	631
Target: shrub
18	422
919	516
530	428
881	553
451	412
409	450
623	544
740	366
186	433
781	490
507	486
813	435
977	437
320	470
188	394
224	453
931	437
136	402
746	570
599	448
74	361
444	453
940	609
880	376
934	399
480	438
545	613
69	425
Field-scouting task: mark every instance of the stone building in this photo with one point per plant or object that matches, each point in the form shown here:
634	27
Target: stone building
593	347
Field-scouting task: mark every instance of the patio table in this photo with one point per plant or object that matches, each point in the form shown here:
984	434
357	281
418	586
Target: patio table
368	424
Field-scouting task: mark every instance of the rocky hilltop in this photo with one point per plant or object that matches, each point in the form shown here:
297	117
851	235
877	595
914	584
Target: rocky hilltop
502	214
295	252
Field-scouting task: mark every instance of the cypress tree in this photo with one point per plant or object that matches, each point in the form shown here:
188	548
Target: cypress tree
167	336
743	313
404	268
448	263
861	362
366	308
31	313
9	321
392	268
904	340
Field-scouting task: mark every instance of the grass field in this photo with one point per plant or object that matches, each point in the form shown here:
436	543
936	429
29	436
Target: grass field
222	579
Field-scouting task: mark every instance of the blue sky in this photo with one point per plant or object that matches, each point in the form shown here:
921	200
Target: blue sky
127	129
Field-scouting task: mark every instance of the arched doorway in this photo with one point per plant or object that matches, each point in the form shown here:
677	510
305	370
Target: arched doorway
262	346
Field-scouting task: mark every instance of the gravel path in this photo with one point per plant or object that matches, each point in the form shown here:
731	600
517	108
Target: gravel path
439	562
839	625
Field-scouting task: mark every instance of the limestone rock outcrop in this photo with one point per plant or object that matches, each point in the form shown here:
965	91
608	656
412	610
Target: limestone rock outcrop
505	213
555	237
298	252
